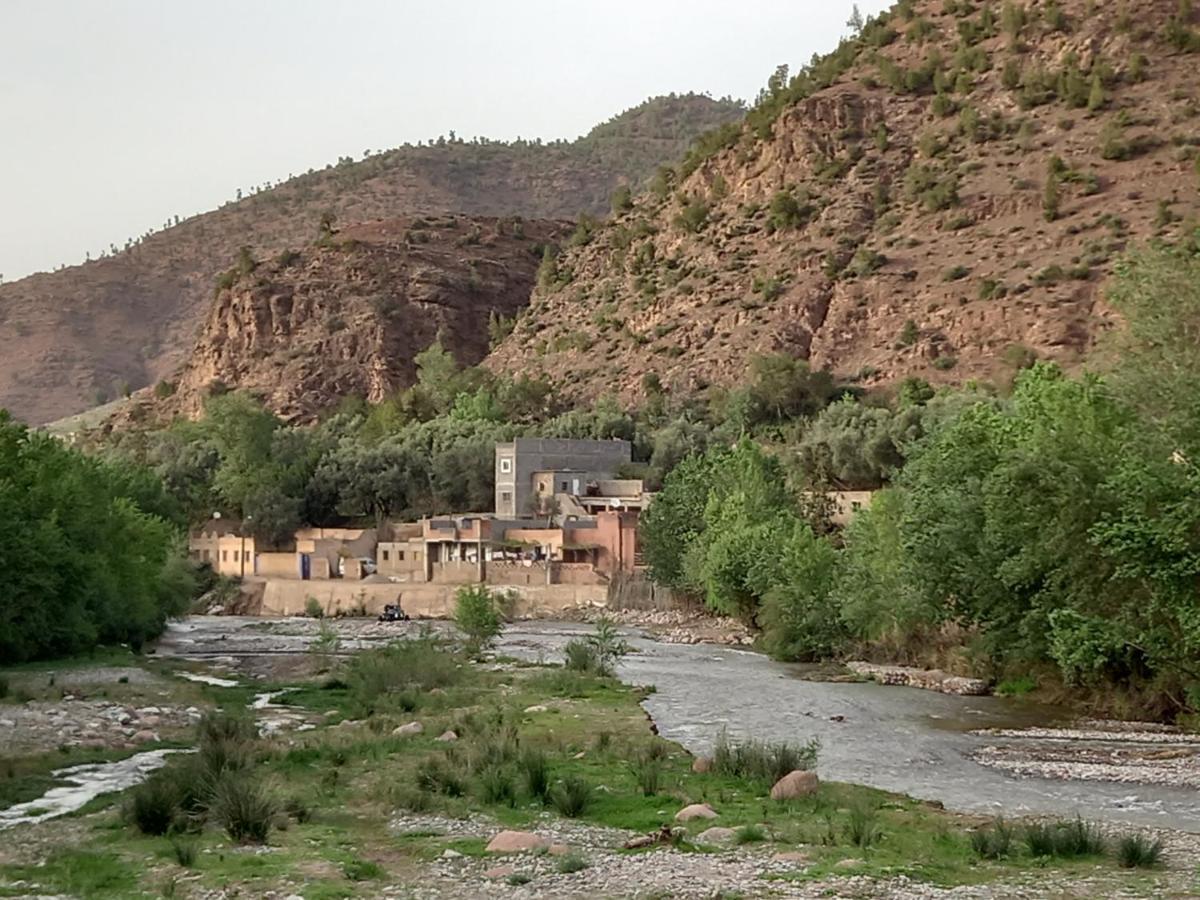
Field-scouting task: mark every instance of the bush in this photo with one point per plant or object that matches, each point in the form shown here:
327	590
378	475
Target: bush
497	785
761	761
535	769
312	608
570	864
1065	840
908	334
243	807
184	851
786	211
956	273
153	805
750	834
362	870
477	615
400	674
862	827
647	771
1136	851
599	652
571	797
436	776
994	842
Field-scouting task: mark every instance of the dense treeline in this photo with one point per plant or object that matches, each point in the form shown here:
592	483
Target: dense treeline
1052	529
90	550
430	448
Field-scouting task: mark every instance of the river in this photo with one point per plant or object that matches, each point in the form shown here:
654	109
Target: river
899	739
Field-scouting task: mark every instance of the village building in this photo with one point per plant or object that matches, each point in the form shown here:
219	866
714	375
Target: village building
529	471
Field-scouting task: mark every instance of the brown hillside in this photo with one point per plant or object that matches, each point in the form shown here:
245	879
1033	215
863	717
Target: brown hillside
346	316
73	337
896	218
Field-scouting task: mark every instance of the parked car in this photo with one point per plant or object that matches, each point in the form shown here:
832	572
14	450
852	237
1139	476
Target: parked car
393	613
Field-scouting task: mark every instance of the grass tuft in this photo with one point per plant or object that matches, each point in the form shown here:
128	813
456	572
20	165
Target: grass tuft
571	797
1137	851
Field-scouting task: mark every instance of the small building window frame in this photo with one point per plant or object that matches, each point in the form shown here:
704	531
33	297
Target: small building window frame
506	465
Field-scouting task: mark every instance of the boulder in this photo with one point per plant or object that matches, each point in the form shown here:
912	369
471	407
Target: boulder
499	872
721	837
695	811
535	709
517	842
142	737
410	729
701	764
447	737
797	783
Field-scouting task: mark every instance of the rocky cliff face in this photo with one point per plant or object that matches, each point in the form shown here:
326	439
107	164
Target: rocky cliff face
945	202
76	337
346	316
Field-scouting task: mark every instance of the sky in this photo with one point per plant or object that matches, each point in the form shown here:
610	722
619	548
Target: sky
117	115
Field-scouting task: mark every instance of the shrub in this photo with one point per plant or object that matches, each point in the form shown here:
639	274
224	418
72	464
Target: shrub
1078	838
1039	838
862	827
436	776
535	769
184	850
762	761
956	273
693	217
153	805
477	614
598	653
945	363
865	261
750	834
313	609
994	842
243	807
908	334
786	211
570	864
362	870
647	771
1136	851
398	675
497	785
571	797
1050	198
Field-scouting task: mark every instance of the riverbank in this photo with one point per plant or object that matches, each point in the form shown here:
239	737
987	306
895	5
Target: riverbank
367	811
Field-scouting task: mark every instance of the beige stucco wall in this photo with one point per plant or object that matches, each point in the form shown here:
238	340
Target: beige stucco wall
277	565
286	597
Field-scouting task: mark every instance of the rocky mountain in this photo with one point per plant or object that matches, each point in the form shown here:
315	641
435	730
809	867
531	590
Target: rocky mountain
942	196
346	315
79	336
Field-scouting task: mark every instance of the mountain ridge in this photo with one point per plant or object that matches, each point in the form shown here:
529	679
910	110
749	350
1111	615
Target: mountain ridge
86	333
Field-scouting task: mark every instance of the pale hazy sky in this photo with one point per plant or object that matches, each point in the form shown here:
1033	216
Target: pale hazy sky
117	114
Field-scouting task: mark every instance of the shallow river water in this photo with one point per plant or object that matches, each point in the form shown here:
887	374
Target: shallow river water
900	739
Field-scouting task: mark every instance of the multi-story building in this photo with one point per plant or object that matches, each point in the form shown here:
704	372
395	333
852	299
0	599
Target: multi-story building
530	470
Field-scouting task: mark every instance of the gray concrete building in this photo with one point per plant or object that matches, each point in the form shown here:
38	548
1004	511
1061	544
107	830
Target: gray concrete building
531	468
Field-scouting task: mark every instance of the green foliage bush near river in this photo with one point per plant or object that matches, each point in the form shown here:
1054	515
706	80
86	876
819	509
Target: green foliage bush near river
90	550
1055	525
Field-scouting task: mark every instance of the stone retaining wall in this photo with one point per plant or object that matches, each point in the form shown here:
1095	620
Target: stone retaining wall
287	597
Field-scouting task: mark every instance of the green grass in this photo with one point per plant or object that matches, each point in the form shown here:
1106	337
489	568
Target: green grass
340	786
84	873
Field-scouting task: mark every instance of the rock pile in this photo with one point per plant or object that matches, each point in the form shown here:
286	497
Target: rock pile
96	724
928	679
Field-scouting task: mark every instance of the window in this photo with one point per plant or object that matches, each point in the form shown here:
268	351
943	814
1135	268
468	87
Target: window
400	555
224	556
562	486
385	555
505	465
506	496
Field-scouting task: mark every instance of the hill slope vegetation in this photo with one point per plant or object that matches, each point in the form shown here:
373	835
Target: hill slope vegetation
940	197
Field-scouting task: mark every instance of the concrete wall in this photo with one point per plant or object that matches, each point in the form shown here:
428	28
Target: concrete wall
405	559
638	592
277	565
286	597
